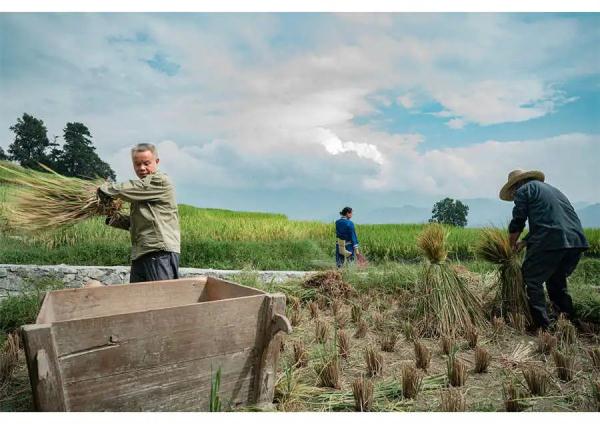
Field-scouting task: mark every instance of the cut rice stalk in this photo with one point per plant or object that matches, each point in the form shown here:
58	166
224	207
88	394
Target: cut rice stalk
445	304
362	389
46	201
494	246
422	355
453	400
374	362
411	382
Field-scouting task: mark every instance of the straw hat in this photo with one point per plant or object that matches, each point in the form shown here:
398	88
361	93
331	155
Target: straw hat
514	177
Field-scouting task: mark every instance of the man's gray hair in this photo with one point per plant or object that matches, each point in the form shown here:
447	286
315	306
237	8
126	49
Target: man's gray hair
144	147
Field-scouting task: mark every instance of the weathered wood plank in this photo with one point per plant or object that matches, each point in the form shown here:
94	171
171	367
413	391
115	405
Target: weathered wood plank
78	335
46	314
153	338
174	387
269	347
92	302
44	374
218	289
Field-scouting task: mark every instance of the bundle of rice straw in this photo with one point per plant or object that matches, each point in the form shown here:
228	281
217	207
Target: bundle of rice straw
46	201
511	296
445	306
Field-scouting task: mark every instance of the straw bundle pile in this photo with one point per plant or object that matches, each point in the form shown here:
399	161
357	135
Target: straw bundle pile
446	305
494	246
47	201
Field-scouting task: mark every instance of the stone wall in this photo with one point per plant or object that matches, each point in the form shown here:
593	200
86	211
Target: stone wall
14	277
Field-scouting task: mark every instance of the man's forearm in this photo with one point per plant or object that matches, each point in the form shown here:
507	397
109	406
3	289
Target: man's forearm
513	238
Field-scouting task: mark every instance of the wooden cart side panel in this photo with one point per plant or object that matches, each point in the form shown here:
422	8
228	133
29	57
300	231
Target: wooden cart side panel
93	302
44	373
184	386
218	289
109	345
210	319
269	350
46	314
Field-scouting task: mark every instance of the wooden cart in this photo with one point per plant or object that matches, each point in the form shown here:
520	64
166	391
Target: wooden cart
154	346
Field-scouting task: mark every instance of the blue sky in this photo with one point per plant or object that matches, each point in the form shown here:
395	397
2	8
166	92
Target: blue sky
427	105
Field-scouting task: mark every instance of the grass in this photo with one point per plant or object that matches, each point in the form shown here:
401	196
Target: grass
216	238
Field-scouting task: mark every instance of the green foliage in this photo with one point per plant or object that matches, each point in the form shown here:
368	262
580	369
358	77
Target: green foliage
450	212
31	142
79	157
215	401
3	155
21	309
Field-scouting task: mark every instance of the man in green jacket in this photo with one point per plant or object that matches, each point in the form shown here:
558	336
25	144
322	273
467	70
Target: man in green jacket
555	241
153	223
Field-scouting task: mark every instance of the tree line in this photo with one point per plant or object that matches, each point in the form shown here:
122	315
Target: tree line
77	157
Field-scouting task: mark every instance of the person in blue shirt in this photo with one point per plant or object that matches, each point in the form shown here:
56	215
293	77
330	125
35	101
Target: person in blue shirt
346	247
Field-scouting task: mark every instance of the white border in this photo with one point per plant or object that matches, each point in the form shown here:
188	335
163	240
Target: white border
300	6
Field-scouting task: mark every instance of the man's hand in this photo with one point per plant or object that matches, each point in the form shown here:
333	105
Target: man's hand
520	245
514	241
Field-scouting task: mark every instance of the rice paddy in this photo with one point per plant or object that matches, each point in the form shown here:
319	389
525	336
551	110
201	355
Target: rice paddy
356	344
340	372
504	371
223	239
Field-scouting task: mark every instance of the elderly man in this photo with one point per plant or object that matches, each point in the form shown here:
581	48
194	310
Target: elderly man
154	220
554	244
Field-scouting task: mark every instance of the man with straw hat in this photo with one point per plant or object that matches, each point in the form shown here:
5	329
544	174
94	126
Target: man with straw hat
154	219
554	243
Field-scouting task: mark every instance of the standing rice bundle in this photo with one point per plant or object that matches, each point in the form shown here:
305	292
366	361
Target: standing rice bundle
48	201
494	246
446	305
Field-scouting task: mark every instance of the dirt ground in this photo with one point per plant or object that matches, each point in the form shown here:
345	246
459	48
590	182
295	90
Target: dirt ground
297	388
510	353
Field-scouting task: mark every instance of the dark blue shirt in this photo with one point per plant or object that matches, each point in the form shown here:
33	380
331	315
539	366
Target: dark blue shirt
344	229
553	223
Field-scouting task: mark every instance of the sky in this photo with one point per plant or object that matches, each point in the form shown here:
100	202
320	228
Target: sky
396	108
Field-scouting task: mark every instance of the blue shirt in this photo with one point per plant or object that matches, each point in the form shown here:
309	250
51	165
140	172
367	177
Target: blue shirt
553	223
344	229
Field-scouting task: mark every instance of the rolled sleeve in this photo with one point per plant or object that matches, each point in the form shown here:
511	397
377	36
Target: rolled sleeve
520	210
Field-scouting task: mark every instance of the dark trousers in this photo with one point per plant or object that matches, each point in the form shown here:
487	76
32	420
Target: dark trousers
552	267
341	259
155	266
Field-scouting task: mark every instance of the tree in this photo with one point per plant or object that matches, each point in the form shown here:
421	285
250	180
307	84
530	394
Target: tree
79	157
31	142
2	154
451	212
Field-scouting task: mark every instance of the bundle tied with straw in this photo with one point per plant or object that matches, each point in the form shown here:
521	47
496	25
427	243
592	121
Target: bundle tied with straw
46	201
445	306
494	246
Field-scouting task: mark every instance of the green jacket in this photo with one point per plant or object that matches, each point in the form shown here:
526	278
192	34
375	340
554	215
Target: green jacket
154	220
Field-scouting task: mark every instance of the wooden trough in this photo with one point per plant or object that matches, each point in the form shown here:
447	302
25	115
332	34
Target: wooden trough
154	346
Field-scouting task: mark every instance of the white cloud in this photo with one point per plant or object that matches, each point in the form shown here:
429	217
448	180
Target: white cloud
493	102
481	169
406	101
242	113
456	124
335	146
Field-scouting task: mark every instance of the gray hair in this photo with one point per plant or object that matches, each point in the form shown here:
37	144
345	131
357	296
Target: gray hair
144	147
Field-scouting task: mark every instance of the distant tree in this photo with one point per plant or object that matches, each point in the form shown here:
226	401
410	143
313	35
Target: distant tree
31	142
79	157
2	154
451	212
